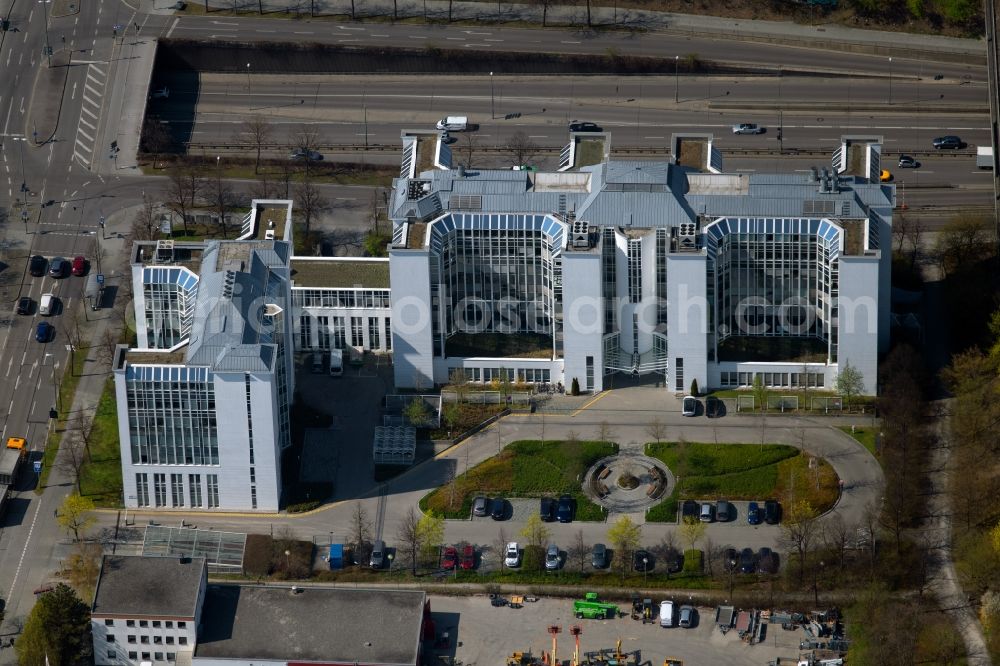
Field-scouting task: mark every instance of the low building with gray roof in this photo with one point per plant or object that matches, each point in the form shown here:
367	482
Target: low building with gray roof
255	624
147	609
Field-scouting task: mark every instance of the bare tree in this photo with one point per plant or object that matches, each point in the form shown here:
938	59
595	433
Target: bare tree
361	528
604	433
798	530
309	202
656	430
500	546
545	10
72	459
468	147
185	187
578	551
307	140
409	537
521	148
106	346
82	427
837	538
155	137
256	132
264	188
222	199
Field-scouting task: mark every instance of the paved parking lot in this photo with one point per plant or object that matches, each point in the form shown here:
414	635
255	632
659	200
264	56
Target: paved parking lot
482	635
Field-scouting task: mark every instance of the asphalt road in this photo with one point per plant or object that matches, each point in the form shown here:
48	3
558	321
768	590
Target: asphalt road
530	40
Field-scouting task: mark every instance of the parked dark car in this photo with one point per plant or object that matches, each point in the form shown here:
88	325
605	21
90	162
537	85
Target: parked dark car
44	331
767	561
599	556
730	559
24	305
753	513
673	559
690	509
37	265
948	141
642	560
724	511
58	267
480	506
747	561
499	509
578	126
547	509
565	510
772	512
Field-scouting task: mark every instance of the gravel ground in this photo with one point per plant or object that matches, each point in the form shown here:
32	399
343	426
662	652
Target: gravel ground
482	635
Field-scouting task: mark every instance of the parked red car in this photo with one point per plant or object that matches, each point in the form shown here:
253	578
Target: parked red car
468	557
450	559
79	265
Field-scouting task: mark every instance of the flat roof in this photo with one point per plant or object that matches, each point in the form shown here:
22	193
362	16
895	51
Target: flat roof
156	357
136	586
340	273
330	625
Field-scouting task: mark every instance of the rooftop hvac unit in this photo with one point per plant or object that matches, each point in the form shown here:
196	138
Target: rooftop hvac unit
580	234
164	252
687	236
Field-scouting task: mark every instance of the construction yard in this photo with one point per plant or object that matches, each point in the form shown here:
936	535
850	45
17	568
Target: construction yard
482	634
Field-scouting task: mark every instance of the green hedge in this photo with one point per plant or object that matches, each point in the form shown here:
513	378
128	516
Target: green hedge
693	562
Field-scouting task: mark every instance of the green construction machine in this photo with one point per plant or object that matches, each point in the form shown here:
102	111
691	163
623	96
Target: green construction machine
592	609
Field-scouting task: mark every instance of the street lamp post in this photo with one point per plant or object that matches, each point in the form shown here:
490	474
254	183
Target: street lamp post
677	81
249	91
645	568
493	109
890	80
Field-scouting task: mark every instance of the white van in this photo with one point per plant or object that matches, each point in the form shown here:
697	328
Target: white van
666	613
453	123
47	305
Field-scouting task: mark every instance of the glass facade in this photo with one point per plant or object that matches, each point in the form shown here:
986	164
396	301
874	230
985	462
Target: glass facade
169	298
171	412
341	298
774	277
494	274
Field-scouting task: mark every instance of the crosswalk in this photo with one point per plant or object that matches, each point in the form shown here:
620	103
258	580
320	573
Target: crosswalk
90	111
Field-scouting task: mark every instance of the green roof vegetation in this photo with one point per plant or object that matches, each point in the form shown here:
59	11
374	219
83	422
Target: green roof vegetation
333	274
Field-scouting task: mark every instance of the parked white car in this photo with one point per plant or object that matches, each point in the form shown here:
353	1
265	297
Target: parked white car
512	556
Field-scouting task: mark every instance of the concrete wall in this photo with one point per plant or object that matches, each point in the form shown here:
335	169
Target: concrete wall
583	318
687	317
859	312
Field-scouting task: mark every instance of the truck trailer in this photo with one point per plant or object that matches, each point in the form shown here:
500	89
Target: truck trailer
984	157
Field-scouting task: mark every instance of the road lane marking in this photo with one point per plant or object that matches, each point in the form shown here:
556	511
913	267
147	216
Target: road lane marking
172	26
27	542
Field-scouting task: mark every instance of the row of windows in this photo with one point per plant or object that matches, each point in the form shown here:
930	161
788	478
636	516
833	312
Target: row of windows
521	375
155	624
775	379
376	327
134	656
146	640
176	491
172	423
341	298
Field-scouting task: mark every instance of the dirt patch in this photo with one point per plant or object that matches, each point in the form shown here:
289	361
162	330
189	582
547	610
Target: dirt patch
692	153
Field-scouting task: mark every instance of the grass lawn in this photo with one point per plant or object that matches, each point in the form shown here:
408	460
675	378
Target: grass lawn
528	468
742	472
101	476
864	435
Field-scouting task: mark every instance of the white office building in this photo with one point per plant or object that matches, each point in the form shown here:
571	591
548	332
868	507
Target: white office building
147	609
672	267
203	399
